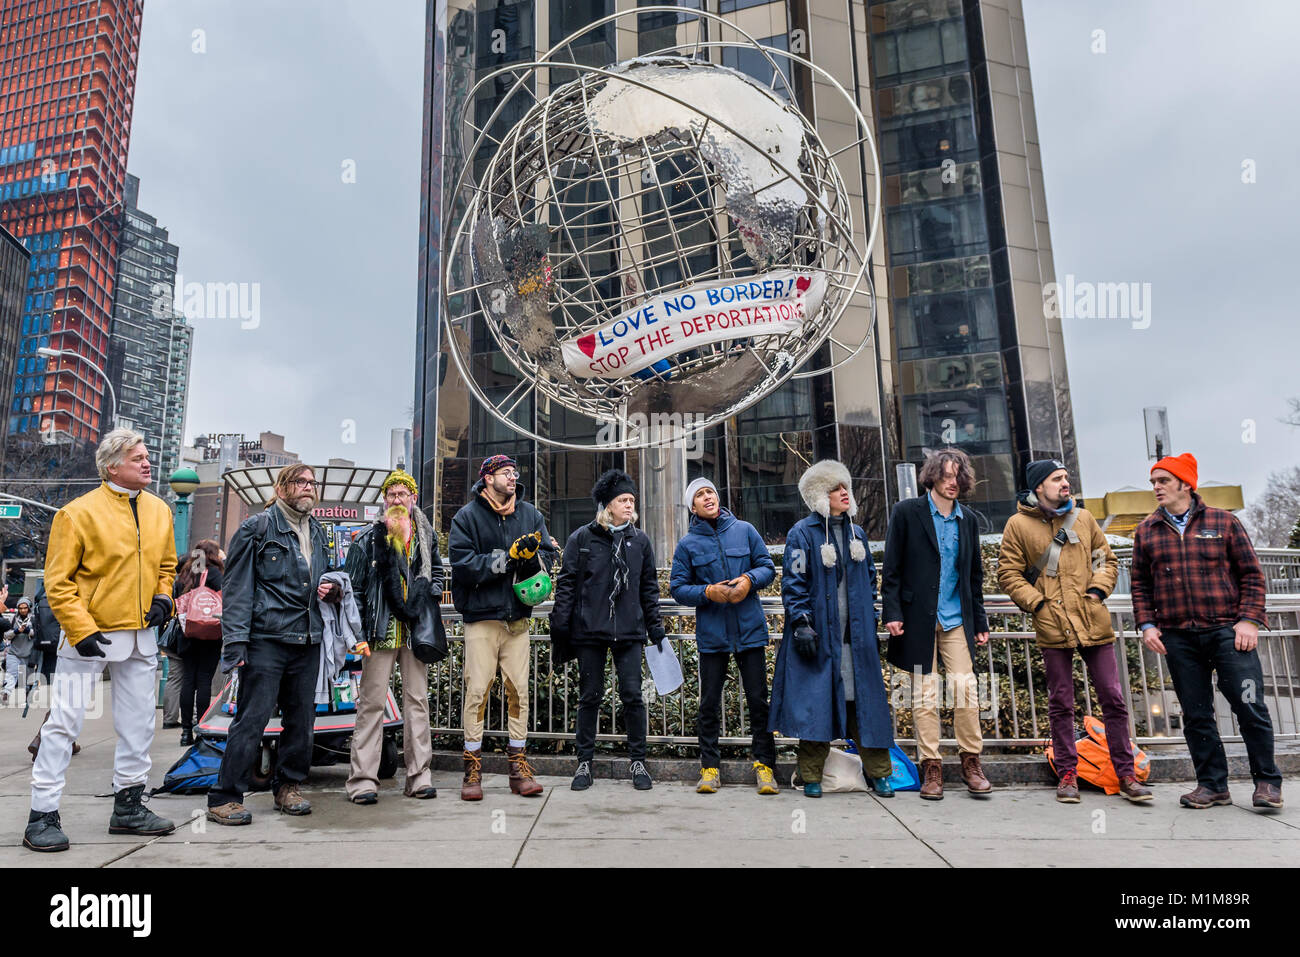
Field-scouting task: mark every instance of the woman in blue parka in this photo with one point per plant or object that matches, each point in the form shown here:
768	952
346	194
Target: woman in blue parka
828	682
719	567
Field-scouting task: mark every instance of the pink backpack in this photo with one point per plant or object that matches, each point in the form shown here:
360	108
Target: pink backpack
199	610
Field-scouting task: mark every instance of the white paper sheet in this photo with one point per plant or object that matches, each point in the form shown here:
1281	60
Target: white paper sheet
664	668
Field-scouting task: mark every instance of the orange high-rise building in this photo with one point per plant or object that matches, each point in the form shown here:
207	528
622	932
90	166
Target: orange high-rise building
67	87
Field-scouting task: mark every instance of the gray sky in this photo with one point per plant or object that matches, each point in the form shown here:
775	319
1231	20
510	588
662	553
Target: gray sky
240	151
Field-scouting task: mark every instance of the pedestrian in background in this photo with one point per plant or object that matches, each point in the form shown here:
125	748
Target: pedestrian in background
200	656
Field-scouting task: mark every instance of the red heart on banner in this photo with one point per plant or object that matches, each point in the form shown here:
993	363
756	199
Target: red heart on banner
587	344
802	283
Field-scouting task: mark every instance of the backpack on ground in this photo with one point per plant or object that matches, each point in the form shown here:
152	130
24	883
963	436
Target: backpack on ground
1095	765
196	771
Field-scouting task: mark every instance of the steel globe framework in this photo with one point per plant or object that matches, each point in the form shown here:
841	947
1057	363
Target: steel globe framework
661	236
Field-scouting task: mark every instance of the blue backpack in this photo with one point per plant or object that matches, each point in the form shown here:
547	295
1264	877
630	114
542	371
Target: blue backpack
196	771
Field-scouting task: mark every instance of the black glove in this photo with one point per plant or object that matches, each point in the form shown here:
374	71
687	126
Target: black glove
233	654
159	612
89	647
657	639
805	641
524	567
334	595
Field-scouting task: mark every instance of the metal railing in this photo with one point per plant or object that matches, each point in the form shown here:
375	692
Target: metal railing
1281	567
1013	689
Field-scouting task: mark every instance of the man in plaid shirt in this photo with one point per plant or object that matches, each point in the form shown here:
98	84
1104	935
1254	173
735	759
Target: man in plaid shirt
1198	595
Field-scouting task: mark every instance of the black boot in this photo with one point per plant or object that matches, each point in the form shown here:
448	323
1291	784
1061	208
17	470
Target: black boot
187	737
130	816
45	832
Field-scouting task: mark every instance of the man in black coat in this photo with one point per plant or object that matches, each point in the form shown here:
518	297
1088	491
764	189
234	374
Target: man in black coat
932	593
496	541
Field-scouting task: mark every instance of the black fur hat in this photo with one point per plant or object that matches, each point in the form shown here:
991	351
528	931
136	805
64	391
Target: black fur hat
611	485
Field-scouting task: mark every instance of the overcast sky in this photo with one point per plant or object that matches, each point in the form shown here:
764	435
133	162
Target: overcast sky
241	150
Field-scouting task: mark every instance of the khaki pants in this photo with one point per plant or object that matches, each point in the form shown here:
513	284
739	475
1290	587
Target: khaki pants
963	690
367	740
489	644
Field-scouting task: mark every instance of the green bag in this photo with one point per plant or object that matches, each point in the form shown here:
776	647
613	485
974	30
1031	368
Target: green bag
535	590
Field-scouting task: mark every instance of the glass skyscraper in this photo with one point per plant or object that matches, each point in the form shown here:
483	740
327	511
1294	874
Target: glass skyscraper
151	343
67	88
961	353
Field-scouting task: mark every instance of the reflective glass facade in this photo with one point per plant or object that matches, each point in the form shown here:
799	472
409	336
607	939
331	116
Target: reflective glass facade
67	85
151	344
944	364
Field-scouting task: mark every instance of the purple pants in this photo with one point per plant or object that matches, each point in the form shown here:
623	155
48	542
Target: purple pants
1103	672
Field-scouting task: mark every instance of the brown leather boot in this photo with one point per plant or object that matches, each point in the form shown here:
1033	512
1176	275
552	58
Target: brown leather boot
932	779
973	774
471	789
522	779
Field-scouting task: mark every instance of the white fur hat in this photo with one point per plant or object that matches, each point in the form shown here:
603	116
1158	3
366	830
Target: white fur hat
815	486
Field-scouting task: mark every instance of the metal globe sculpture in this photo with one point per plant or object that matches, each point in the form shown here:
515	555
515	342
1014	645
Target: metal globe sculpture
665	235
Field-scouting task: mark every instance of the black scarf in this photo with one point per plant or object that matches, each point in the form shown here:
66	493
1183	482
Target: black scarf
394	571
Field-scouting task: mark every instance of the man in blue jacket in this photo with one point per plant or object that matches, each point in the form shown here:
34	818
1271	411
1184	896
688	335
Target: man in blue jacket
719	568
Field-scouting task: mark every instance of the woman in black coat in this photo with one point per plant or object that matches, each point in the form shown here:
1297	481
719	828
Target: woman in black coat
607	602
200	657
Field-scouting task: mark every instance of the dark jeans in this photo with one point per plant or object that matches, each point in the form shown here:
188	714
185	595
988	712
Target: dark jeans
196	687
1193	656
1103	671
591	688
752	664
274	674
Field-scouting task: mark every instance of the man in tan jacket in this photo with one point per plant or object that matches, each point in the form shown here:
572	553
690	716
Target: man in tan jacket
1056	565
109	568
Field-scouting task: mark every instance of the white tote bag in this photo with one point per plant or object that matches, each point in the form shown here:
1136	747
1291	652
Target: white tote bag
843	772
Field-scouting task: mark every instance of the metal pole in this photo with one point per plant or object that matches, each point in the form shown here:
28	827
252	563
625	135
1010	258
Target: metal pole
182	524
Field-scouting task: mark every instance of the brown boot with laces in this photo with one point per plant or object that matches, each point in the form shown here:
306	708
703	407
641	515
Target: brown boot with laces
973	774
523	781
471	789
931	779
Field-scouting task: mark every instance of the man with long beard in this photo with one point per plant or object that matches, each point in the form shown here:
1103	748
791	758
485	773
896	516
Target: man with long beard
271	632
395	572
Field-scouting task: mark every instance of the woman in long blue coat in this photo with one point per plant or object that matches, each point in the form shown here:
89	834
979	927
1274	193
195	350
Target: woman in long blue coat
828	683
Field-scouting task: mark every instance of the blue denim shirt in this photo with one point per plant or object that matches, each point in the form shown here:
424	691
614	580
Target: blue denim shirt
946	530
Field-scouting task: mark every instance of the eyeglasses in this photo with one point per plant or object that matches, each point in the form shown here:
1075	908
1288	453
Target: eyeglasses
305	483
508	473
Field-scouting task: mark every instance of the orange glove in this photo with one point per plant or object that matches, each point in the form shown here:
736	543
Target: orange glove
739	588
363	649
720	592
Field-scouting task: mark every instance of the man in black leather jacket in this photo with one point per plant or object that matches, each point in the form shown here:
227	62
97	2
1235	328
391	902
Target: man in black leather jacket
395	571
271	632
496	541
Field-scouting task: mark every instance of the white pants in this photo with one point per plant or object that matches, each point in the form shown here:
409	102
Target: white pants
134	693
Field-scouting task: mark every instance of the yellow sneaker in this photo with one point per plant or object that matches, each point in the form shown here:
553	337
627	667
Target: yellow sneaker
766	779
709	782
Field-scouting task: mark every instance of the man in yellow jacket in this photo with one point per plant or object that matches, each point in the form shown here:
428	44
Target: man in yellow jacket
109	568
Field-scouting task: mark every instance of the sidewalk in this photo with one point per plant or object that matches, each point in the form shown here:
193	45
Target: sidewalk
613	825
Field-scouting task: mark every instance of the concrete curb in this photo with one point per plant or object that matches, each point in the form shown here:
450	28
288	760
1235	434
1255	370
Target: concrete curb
1000	769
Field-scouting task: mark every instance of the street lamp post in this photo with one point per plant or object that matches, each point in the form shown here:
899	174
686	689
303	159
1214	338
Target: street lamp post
58	353
183	482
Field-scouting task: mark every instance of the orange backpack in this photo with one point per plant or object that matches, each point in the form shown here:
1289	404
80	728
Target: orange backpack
1094	758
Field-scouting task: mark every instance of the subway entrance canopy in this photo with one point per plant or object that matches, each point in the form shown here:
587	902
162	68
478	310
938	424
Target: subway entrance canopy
348	494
